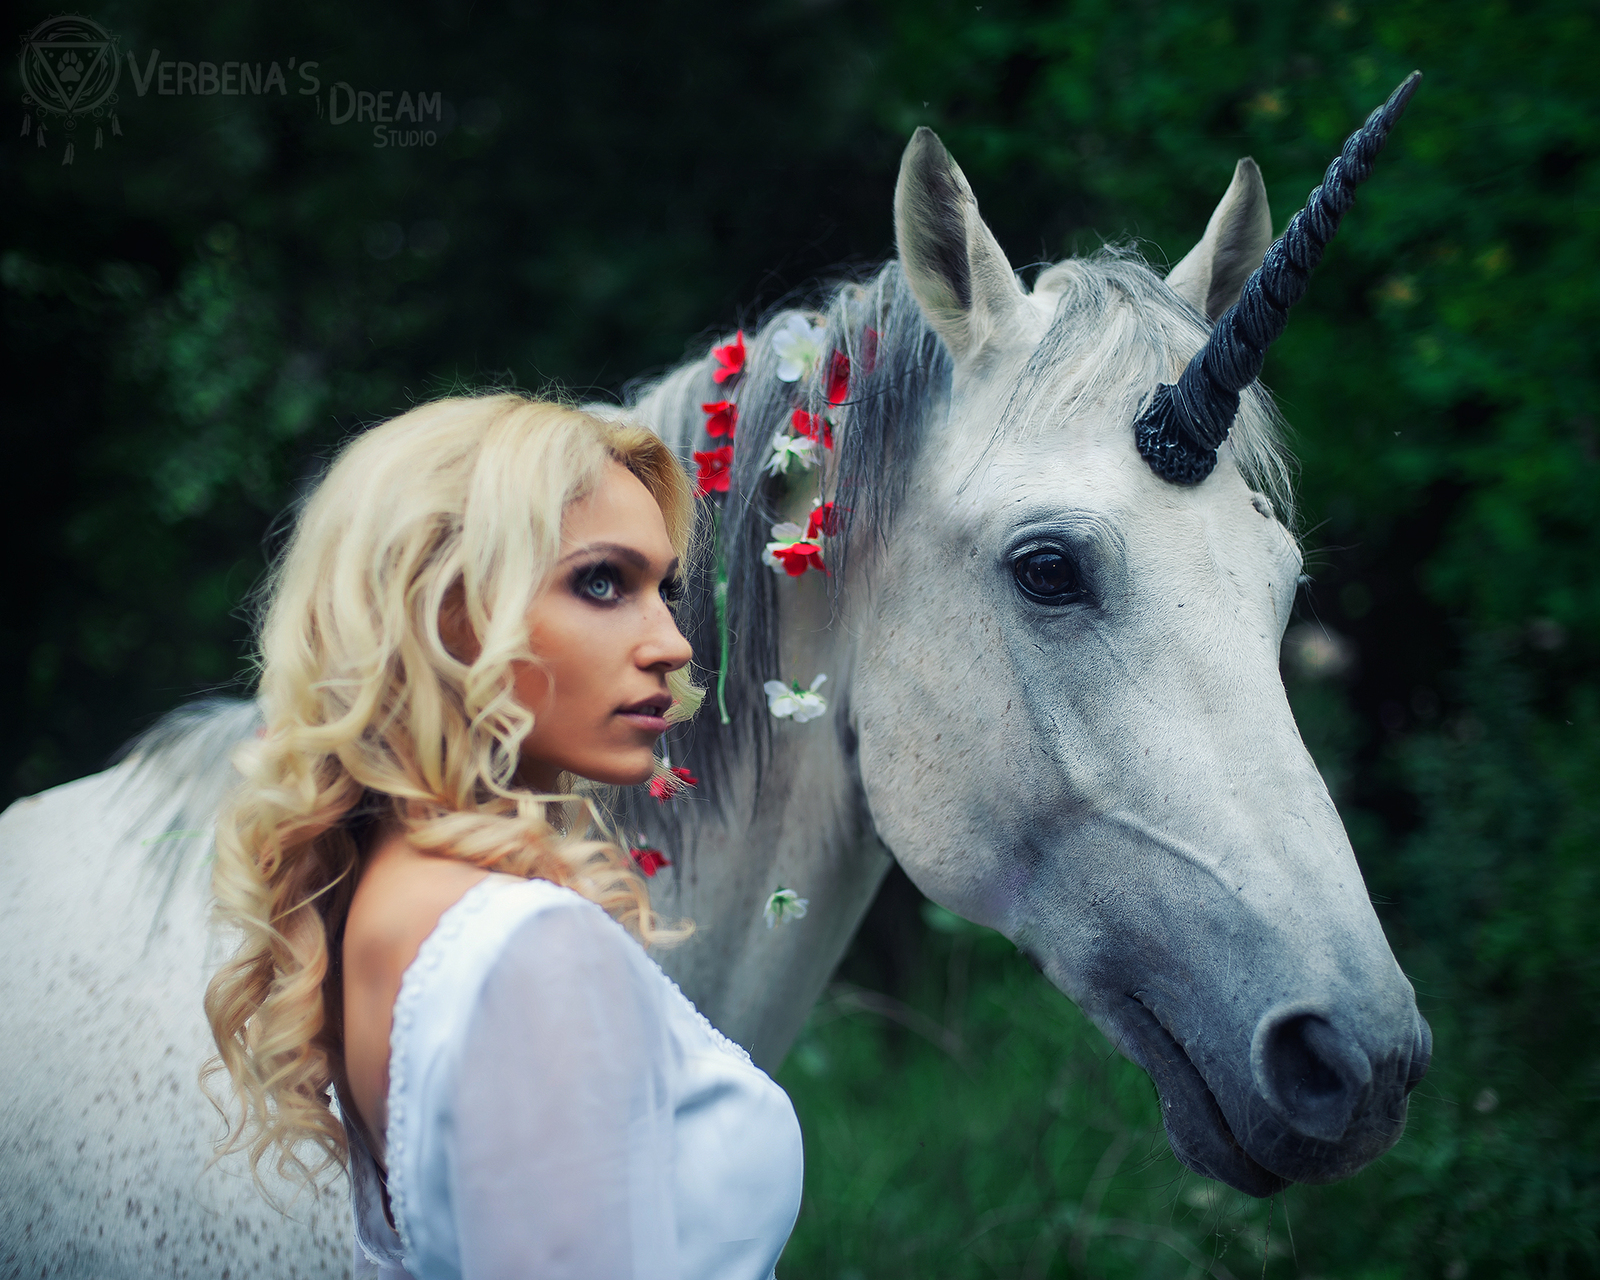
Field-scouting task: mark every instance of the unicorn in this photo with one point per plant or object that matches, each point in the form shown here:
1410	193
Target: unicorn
1037	541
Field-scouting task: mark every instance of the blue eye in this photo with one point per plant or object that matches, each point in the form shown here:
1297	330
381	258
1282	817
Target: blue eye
600	584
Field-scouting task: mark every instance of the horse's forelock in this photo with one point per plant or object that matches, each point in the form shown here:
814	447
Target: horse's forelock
1116	333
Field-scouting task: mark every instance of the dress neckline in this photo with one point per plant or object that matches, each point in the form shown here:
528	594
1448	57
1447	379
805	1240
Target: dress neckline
452	920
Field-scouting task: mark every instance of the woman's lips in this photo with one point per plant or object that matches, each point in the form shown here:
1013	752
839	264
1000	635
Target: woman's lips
649	715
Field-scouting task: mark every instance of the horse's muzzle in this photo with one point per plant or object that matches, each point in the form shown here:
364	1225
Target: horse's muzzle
1316	1105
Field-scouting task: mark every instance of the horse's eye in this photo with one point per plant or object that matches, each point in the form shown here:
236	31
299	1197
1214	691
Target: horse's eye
1048	576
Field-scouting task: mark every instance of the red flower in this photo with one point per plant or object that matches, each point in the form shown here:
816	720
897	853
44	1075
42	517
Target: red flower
822	522
666	785
730	359
814	426
798	557
724	417
714	476
838	377
650	861
869	350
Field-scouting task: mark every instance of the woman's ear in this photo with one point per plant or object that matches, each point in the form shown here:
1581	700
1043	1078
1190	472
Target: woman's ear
460	641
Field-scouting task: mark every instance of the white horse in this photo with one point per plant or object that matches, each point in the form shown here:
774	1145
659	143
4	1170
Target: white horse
1053	695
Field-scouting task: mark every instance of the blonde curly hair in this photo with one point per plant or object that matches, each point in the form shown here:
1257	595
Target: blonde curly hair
371	719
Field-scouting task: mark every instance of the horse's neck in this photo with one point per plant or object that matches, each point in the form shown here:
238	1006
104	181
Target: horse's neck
805	831
804	827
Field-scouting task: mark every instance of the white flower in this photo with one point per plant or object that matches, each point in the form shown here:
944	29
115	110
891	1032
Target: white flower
798	344
786	700
784	904
787	448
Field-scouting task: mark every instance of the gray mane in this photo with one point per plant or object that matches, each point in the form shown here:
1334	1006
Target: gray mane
182	768
900	370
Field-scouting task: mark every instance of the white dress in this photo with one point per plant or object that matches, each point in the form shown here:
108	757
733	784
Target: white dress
558	1109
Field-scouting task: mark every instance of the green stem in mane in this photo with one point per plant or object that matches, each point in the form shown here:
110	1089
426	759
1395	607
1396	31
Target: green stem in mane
720	596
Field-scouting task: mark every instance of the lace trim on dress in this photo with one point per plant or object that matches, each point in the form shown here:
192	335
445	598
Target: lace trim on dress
412	985
717	1038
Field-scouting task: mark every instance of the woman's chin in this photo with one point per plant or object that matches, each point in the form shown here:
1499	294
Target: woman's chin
625	772
628	768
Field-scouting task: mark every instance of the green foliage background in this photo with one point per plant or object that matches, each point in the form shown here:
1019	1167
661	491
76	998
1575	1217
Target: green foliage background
197	313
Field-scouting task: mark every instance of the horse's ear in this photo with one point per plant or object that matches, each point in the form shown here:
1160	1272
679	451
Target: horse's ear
955	268
1236	239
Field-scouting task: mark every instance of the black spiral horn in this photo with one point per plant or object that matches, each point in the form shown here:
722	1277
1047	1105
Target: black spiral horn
1179	430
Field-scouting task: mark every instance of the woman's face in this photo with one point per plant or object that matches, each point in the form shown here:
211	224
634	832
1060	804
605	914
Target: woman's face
606	641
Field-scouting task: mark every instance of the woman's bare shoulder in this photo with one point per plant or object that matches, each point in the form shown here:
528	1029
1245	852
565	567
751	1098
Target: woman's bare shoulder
402	894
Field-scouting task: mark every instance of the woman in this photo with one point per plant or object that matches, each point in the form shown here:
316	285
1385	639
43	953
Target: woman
436	984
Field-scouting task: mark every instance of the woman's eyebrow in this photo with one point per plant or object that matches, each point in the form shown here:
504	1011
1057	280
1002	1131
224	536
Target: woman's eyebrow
629	555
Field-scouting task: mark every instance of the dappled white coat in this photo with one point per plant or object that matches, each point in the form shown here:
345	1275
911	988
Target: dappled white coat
104	1135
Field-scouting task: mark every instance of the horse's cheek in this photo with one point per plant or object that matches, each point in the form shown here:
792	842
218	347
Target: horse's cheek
936	714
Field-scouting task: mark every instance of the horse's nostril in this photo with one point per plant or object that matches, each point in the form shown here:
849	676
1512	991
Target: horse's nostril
1300	1067
1313	1076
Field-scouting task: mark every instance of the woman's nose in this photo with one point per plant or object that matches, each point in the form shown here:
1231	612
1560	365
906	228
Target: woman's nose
665	647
